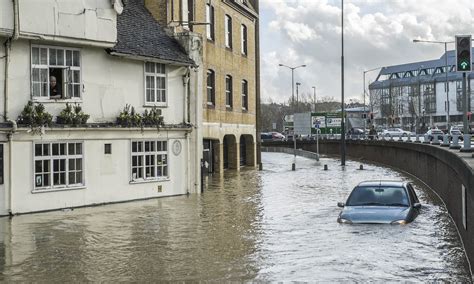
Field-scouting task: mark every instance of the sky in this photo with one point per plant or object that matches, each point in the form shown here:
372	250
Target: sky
376	33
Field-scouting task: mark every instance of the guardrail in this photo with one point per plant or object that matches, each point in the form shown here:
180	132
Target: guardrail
299	152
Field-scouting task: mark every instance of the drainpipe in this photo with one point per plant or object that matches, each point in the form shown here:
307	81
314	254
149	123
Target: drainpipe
186	96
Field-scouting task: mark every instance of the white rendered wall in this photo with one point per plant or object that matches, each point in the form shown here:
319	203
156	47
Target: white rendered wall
109	83
107	177
6	17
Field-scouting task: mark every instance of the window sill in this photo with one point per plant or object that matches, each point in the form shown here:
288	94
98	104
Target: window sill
211	106
210	40
160	105
244	110
34	191
227	48
139	181
244	55
228	108
51	101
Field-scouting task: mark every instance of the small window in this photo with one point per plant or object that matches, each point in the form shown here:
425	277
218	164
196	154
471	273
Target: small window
155	83
228	91
228	31
55	73
107	148
210	21
245	95
243	40
211	98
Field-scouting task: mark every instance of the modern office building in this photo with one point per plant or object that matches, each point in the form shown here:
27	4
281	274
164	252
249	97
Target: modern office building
414	95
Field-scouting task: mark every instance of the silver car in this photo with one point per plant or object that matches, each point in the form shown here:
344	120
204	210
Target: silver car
383	202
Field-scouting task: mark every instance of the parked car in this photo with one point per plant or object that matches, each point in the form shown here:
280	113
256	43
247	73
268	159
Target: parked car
455	131
383	202
396	132
266	137
435	132
277	136
356	132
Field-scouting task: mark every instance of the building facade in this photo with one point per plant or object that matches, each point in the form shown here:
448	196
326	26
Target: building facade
112	61
414	95
230	89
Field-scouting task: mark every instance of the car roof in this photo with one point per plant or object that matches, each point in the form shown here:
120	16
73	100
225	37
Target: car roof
393	183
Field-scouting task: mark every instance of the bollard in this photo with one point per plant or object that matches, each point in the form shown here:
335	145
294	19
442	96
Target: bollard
325	167
435	140
467	144
293	166
391	137
400	138
260	167
361	167
417	138
455	144
409	138
445	141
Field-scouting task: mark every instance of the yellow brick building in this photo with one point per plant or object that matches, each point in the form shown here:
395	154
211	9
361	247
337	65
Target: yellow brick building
230	71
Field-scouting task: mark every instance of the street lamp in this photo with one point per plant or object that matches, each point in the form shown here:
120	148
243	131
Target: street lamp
297	99
446	86
365	93
293	166
314	91
292	80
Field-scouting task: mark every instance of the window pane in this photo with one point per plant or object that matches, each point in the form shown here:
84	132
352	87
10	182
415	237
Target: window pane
68	57
75	60
76	78
164	145
38	166
72	178
52	56
72	164
55	149
78	164
38	148
62	149
71	149
43	56
35	55
77	89
36	89
160	68
134	146
163	96
161	82
36	75
60	57
45	149
79	177
150	67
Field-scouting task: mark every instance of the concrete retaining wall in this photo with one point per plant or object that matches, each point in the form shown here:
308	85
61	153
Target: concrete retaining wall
441	169
299	152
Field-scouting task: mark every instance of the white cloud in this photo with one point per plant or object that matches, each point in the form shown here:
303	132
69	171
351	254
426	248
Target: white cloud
376	33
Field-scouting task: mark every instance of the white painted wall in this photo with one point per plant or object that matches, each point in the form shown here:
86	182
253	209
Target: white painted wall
6	17
107	177
109	83
93	20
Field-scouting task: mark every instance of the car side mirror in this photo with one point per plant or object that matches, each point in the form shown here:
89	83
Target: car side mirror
417	205
340	204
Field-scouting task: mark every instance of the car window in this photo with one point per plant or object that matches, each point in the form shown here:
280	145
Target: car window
378	195
412	192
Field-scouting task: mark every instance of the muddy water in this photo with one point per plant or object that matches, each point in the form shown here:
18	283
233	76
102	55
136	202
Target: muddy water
270	225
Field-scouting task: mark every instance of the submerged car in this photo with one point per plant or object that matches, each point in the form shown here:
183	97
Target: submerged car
381	202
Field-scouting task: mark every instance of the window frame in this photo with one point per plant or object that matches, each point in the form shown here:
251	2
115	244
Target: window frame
228	31
48	66
143	154
229	100
51	158
244	39
212	102
155	76
245	95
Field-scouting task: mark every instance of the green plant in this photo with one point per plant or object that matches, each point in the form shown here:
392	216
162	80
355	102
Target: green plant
34	115
128	117
72	115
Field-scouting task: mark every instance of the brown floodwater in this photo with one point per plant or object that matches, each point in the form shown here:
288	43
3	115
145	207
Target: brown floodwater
254	226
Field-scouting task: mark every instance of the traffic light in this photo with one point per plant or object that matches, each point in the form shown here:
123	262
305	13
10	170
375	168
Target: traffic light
463	54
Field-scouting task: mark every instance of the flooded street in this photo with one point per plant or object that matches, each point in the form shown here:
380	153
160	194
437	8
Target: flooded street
270	225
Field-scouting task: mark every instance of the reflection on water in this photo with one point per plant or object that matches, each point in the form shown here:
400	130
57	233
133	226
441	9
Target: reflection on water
269	225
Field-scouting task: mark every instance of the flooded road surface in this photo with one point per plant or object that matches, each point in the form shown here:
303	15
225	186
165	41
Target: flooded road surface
270	225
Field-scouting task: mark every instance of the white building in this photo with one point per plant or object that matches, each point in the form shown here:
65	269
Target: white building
414	95
104	54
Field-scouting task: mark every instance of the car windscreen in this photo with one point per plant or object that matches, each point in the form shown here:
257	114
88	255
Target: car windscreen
378	196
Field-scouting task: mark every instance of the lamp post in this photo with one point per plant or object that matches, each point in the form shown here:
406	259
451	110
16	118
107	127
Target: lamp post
365	93
314	94
297	98
446	86
293	166
343	132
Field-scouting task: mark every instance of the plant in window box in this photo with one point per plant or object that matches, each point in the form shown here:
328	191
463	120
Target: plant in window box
136	118
65	116
34	116
153	117
79	116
